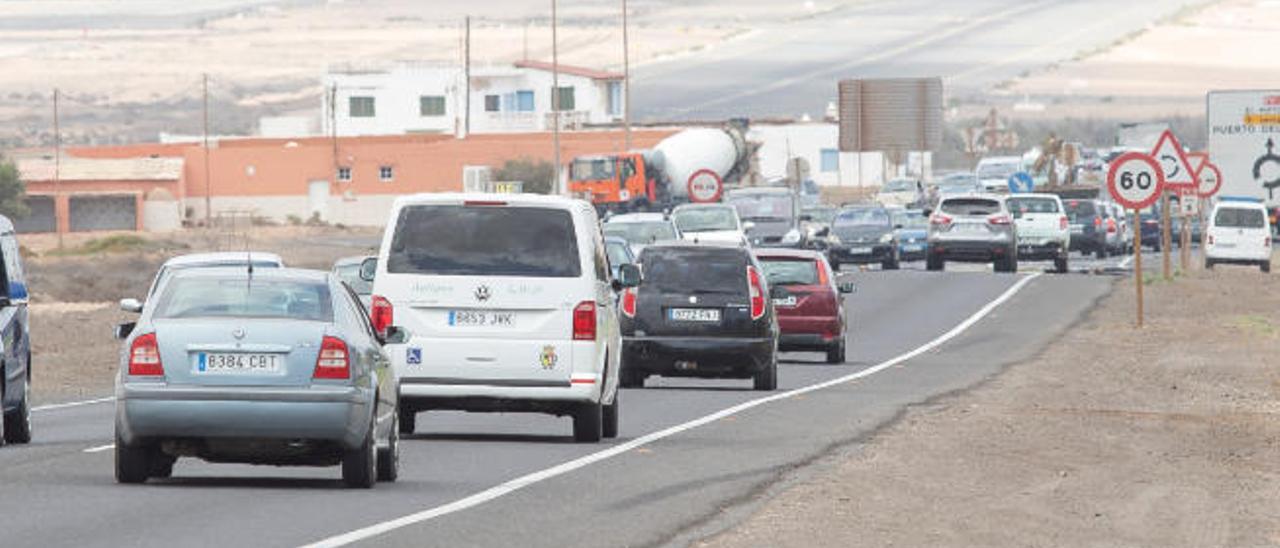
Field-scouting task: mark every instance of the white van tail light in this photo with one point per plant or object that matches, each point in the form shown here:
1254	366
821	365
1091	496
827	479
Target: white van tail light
334	361
381	314
144	357
584	321
629	298
756	290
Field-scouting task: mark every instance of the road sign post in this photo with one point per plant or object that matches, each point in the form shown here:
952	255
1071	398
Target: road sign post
1166	239
1136	181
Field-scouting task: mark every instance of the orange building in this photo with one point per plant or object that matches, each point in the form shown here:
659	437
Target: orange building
350	180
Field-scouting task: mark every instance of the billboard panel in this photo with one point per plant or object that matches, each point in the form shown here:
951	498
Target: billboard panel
890	114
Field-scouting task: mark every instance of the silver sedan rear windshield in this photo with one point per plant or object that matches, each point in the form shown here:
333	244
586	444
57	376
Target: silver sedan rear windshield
970	206
448	240
245	298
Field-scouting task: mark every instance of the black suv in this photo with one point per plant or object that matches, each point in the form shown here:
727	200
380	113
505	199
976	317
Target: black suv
702	311
1088	226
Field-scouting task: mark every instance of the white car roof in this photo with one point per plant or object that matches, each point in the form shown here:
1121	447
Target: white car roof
636	218
225	257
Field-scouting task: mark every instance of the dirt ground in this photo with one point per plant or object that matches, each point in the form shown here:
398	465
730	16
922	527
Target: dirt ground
1166	436
73	309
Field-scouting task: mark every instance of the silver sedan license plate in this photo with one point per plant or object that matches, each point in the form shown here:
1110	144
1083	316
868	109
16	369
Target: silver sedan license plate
694	314
222	363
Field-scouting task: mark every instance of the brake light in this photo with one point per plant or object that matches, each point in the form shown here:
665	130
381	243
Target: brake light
999	219
1063	223
821	265
756	291
1266	242
1210	240
1111	225
1097	222
381	314
629	302
144	357
940	219
483	203
584	321
334	362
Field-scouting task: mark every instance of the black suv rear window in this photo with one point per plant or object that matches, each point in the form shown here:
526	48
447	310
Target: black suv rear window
694	270
1080	209
970	206
452	240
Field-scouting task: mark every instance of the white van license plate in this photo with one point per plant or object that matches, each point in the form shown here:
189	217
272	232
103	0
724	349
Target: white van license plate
479	318
223	363
694	314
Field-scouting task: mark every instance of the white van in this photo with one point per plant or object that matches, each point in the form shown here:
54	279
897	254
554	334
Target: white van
506	304
1239	232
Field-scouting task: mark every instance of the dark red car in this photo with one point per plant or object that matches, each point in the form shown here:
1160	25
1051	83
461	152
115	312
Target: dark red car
808	300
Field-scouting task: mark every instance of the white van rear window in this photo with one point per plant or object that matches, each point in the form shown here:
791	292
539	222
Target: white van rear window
1238	217
449	240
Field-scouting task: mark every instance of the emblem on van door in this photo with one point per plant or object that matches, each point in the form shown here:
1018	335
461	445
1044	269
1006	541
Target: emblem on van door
238	333
548	358
483	293
693	299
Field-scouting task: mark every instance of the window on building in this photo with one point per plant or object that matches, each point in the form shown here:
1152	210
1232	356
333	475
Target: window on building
563	99
431	105
361	107
615	98
386	173
344	174
524	100
830	160
492	103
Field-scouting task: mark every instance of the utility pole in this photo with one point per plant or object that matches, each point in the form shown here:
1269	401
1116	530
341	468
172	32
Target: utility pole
555	95
57	170
466	63
208	199
626	80
333	125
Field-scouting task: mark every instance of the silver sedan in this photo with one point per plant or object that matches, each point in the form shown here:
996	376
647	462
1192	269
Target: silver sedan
265	366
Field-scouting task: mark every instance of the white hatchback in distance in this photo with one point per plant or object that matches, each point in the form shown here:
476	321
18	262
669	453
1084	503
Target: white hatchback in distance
508	304
1239	232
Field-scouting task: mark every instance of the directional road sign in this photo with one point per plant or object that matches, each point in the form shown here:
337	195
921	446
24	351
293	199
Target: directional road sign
1135	180
1021	182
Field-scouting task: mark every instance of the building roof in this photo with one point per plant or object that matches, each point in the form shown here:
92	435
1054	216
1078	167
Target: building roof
41	168
569	69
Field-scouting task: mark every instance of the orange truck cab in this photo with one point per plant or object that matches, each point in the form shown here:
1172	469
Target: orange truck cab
620	181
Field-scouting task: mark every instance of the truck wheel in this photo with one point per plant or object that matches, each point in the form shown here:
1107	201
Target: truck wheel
1208	264
588	423
1060	265
935	263
1101	252
1265	266
610	427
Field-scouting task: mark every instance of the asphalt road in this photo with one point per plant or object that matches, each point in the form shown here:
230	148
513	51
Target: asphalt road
60	490
789	68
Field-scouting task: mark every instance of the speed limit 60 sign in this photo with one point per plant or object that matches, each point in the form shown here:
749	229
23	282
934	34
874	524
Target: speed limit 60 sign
1135	180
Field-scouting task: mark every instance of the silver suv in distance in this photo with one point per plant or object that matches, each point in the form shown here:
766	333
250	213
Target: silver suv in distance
973	228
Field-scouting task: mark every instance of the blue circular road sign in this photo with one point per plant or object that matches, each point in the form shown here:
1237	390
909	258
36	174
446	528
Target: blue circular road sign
1021	182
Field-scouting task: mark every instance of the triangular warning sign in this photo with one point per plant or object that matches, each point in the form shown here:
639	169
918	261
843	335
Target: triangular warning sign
1197	160
1173	161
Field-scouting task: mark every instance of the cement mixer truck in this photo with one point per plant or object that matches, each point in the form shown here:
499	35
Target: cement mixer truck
693	165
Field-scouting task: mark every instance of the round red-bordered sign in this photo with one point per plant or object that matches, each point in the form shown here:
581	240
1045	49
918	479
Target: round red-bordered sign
1211	184
1135	180
705	186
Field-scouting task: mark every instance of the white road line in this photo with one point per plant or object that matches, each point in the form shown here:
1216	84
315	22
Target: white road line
100	448
516	484
73	404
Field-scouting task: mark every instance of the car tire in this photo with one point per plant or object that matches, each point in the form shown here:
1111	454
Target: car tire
588	423
935	263
1061	265
389	456
360	465
631	379
1101	252
17	423
767	379
1208	264
893	262
406	421
161	465
133	463
1266	267
610	427
835	353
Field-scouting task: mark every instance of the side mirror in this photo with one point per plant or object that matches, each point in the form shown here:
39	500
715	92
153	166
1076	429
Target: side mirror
847	288
131	305
806	218
395	335
927	212
747	226
368	268
123	330
628	276
823	232
897	227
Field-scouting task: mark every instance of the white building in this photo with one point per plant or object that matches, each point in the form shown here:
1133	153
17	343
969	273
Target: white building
432	98
818	144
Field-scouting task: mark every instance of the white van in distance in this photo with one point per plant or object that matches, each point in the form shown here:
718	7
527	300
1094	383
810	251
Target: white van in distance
1239	232
508	305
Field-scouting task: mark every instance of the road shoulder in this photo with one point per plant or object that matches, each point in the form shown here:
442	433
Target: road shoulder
1162	437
